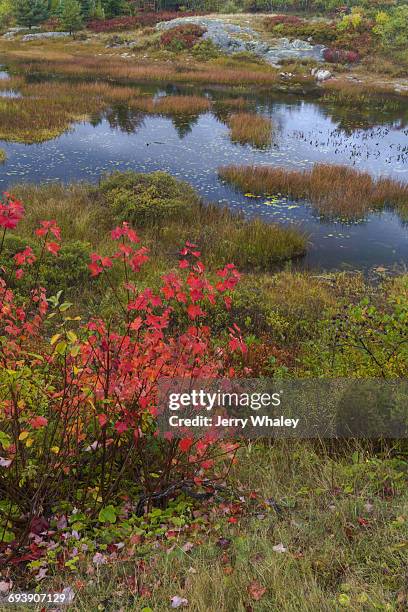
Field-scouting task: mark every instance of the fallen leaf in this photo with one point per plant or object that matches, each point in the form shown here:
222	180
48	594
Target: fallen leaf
256	591
224	543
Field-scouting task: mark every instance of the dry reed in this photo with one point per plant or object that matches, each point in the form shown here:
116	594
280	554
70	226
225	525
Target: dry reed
331	189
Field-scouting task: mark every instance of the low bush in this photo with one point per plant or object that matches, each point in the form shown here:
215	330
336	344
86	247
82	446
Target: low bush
79	398
136	21
68	272
182	37
147	199
294	27
339	56
205	50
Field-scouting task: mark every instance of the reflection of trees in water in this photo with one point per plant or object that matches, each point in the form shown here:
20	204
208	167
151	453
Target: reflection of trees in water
352	118
123	118
184	124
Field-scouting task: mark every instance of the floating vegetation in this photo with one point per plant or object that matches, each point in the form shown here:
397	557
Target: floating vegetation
3	156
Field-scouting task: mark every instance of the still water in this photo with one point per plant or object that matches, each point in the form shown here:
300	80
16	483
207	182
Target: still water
192	149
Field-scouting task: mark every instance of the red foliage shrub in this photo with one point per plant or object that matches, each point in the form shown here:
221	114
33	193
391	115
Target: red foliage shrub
340	56
79	398
182	37
136	21
285	19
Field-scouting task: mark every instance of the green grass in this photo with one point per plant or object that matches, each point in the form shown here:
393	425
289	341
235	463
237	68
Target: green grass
342	523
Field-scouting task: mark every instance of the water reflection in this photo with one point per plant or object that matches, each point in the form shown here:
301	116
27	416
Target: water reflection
193	147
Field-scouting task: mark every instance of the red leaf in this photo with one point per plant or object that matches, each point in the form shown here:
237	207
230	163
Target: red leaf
38	422
185	444
256	591
103	419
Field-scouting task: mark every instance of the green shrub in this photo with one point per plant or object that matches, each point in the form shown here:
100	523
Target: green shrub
66	272
205	50
147	199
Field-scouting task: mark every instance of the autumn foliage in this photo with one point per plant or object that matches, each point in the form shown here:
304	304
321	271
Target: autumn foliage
136	21
79	397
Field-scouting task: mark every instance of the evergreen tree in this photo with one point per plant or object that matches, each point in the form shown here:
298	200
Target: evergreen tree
87	8
113	8
30	13
71	15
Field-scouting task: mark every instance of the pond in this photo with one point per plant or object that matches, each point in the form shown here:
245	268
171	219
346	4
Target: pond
305	131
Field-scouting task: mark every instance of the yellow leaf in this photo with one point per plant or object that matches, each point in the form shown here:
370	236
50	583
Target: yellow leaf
23	435
72	337
55	449
55	338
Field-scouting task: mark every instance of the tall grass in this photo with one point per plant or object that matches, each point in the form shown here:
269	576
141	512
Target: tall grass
364	94
183	105
331	189
47	109
90	67
249	128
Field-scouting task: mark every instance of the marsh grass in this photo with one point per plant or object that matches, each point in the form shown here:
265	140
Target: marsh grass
3	156
55	106
232	104
90	67
84	214
249	128
331	189
362	94
77	207
181	105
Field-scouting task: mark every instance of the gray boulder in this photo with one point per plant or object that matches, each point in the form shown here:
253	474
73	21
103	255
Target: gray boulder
43	35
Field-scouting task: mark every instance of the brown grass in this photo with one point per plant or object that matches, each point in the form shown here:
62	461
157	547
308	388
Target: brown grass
91	67
232	104
249	128
183	105
46	109
331	189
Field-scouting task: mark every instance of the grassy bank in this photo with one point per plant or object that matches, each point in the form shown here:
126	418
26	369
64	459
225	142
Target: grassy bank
57	104
330	189
313	531
166	213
